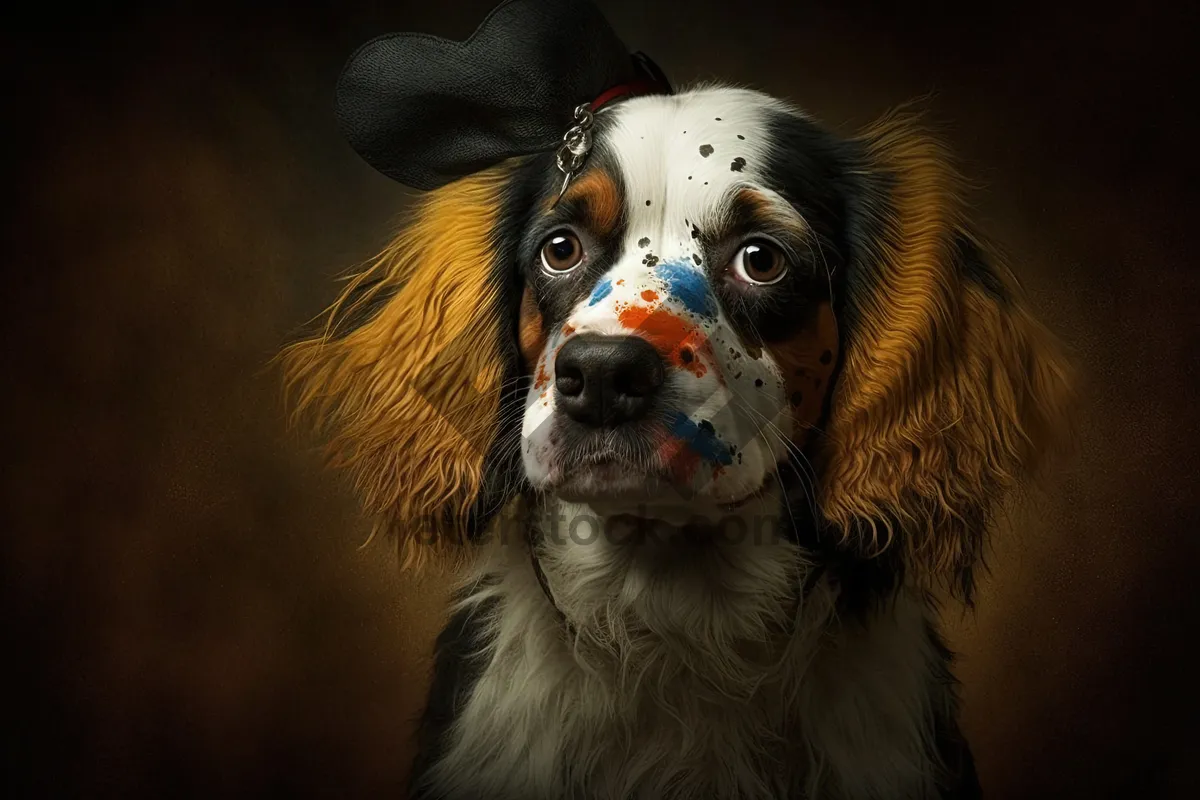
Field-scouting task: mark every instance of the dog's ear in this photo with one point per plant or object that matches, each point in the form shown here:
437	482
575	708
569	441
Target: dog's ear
406	376
949	392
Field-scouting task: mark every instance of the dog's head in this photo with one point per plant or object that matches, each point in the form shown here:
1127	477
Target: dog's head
727	303
684	285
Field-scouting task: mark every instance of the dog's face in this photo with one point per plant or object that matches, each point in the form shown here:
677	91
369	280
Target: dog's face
684	284
727	299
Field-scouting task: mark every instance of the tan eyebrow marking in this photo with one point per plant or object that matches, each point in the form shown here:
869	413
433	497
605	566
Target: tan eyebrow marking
531	336
597	193
763	207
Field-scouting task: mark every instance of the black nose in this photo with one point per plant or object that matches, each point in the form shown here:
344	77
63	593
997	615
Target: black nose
606	380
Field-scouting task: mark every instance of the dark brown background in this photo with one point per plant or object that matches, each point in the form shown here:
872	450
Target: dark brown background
185	603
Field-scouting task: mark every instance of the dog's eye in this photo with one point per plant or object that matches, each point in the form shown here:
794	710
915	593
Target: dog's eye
562	252
760	263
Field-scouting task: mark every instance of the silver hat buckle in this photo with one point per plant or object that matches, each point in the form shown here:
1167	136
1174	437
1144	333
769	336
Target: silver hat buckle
575	147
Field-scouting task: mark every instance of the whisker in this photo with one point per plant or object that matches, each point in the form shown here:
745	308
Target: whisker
782	489
807	480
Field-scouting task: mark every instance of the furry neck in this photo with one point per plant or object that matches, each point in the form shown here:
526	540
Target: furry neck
729	606
681	679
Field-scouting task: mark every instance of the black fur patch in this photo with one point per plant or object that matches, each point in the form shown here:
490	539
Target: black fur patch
959	779
456	670
819	175
503	473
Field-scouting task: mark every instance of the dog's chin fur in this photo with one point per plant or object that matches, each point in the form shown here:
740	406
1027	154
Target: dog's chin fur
710	583
684	670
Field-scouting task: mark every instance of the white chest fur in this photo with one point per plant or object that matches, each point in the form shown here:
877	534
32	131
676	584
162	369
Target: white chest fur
835	709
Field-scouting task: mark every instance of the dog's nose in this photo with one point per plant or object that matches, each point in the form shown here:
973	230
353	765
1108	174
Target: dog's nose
606	380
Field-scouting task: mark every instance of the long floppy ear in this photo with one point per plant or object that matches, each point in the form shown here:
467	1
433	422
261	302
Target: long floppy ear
949	392
406	378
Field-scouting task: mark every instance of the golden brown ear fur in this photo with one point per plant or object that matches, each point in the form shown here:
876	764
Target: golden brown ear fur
949	391
409	399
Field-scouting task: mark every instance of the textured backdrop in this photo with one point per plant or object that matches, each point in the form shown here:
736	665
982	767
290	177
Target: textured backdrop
185	600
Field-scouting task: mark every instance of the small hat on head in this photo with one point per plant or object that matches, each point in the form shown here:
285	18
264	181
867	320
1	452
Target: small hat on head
426	111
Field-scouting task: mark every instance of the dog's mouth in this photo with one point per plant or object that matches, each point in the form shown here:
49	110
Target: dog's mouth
618	486
607	476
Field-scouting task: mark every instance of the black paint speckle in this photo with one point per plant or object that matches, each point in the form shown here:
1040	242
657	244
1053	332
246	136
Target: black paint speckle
689	177
706	183
797	398
743	138
758	382
738	164
647	202
707	427
644	241
826	357
696	258
695	231
650	260
685	355
739	458
706	150
718	119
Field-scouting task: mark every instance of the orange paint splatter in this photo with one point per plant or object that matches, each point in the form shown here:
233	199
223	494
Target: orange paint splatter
681	460
621	282
567	330
542	377
679	340
649	295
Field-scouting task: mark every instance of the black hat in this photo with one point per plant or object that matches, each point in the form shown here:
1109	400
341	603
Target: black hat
425	110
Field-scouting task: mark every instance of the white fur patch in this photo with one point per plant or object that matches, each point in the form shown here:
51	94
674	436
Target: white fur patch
661	144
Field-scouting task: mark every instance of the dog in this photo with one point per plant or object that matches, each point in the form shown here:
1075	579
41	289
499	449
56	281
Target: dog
710	425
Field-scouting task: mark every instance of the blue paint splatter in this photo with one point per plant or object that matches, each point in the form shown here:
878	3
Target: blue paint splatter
689	286
701	438
602	290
